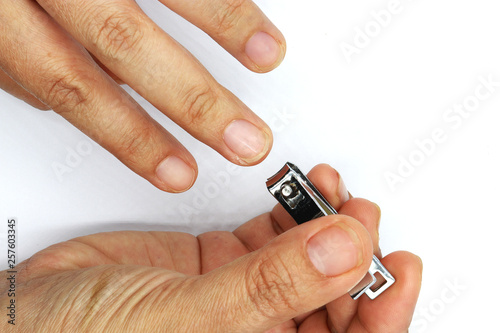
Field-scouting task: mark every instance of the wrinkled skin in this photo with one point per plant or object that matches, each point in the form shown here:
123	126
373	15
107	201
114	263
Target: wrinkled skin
71	56
254	279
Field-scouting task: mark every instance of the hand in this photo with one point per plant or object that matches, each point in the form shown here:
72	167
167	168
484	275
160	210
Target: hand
45	61
258	278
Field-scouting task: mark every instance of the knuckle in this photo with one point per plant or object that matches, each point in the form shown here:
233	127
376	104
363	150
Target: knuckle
48	260
271	287
135	146
66	92
199	105
118	34
228	16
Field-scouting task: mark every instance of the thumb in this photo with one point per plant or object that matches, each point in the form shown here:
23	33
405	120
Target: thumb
299	271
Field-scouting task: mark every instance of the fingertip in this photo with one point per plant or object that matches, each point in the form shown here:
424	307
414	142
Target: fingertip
378	213
342	192
406	268
411	262
262	49
335	250
393	309
365	211
320	169
265	50
175	174
421	262
249	143
268	134
329	182
414	266
356	230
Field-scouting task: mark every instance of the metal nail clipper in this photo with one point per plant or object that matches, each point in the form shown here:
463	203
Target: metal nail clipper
304	202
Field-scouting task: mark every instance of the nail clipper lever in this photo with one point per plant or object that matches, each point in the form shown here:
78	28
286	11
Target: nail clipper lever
304	202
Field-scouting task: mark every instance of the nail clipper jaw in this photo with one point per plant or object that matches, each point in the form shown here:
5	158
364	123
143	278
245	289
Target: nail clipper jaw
304	202
298	195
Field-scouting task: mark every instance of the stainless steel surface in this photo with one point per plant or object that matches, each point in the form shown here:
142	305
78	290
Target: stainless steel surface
304	202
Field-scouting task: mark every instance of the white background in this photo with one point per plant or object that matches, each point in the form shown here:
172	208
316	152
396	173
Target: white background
361	116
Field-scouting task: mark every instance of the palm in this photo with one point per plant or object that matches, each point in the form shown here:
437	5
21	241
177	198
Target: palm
131	257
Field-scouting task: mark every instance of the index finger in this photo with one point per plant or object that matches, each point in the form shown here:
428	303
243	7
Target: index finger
131	45
52	66
262	229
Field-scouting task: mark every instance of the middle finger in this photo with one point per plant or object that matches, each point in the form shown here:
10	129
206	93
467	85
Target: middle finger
132	46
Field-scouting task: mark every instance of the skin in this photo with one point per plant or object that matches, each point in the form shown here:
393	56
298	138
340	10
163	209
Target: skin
70	56
255	279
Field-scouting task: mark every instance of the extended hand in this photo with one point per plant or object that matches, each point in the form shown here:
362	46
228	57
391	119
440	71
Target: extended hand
45	61
265	276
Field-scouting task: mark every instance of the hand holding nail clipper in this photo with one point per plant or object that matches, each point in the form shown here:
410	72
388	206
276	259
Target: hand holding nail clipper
304	202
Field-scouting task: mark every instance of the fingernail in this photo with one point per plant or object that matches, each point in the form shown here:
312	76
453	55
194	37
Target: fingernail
175	173
245	140
334	251
379	214
263	49
342	191
421	262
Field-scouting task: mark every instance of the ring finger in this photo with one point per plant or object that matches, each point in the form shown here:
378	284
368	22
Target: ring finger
125	40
